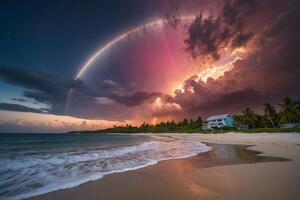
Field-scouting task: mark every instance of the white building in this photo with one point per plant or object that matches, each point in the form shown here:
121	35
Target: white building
290	125
218	121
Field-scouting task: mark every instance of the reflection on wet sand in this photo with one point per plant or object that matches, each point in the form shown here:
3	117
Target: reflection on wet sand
173	179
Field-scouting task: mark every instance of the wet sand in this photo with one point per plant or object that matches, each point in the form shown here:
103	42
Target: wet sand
178	179
271	180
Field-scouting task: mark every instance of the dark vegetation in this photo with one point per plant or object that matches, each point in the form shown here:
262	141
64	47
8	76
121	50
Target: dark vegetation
270	120
185	126
289	113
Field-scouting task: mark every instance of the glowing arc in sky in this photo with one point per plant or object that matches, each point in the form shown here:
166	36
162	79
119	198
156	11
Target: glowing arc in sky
112	42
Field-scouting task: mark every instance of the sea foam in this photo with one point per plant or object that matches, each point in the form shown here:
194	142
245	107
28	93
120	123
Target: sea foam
37	173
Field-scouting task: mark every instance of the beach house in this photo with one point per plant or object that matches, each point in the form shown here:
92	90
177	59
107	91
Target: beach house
218	121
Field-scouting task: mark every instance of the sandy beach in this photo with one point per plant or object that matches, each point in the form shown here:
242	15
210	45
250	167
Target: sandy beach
274	180
228	171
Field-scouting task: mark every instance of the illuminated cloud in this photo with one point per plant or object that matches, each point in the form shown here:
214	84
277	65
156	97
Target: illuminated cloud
35	122
103	101
40	87
267	74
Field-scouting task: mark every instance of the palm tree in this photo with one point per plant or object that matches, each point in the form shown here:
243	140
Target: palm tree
237	119
185	121
249	117
199	120
297	102
270	113
290	112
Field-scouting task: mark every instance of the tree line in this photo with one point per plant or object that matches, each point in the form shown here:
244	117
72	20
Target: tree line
289	112
184	126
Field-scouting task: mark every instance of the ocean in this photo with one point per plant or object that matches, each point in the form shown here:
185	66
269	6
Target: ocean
34	164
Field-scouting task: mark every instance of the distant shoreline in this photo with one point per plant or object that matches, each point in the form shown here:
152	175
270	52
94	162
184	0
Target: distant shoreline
255	130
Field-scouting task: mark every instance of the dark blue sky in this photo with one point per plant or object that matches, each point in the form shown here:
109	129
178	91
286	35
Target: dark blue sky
57	36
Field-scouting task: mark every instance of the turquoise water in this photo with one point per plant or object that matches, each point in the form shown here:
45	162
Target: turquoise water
33	164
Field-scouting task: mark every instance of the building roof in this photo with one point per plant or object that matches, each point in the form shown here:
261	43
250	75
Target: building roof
216	117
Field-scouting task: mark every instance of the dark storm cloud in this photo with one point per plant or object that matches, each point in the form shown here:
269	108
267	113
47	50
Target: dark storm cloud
241	39
19	99
208	36
269	73
204	37
169	11
112	87
235	11
136	98
29	79
215	96
20	108
41	87
116	92
45	89
285	25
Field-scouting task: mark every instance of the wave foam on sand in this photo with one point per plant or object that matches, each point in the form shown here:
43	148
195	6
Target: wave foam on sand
40	173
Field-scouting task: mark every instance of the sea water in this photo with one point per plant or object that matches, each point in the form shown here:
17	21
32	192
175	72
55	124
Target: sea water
34	164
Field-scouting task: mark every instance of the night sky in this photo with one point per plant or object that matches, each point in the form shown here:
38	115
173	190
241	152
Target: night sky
73	65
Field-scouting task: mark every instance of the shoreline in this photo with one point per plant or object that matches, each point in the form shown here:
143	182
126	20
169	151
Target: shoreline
263	176
258	141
